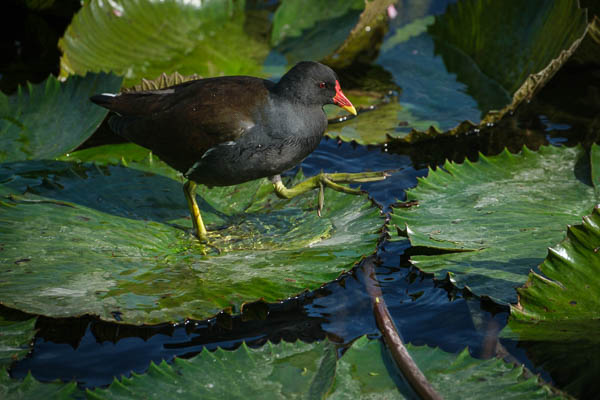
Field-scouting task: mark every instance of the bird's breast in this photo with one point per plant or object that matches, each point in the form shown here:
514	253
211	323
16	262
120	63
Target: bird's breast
267	149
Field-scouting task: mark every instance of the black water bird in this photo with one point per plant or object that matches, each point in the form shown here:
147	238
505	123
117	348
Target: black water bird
227	130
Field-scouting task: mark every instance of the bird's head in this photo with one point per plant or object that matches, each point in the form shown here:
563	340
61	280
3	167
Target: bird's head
314	83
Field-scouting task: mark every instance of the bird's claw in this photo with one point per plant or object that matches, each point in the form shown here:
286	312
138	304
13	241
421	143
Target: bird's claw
323	180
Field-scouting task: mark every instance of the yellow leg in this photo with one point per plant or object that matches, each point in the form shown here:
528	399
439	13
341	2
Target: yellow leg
189	189
330	180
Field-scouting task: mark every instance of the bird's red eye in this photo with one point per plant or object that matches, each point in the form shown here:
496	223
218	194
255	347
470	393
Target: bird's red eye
322	85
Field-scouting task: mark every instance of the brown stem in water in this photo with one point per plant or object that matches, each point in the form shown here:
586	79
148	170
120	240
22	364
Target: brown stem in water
392	339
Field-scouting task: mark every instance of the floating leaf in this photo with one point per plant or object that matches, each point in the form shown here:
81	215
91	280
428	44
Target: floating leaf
490	222
370	127
532	34
312	30
302	370
114	241
365	371
15	338
30	388
282	371
564	303
140	39
51	118
479	56
559	312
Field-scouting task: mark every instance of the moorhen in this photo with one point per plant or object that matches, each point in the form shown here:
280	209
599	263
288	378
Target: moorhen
228	130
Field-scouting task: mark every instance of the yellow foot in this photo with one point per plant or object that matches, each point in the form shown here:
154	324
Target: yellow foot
323	180
199	230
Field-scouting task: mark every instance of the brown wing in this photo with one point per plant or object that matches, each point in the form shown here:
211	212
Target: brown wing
182	122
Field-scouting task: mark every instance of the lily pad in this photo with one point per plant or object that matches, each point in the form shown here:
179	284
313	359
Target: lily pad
559	311
114	241
146	38
455	72
15	338
312	30
488	223
46	120
302	370
366	370
564	302
376	124
30	388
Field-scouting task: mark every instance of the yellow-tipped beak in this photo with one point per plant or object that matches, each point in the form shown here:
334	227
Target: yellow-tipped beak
350	109
342	101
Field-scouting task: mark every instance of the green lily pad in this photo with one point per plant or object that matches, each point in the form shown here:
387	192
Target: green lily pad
30	388
383	123
564	302
312	30
490	222
366	371
537	32
476	62
559	312
144	39
115	241
573	365
302	370
15	338
282	371
51	118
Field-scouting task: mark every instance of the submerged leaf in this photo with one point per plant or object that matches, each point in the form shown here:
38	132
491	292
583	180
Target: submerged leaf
490	222
47	120
113	241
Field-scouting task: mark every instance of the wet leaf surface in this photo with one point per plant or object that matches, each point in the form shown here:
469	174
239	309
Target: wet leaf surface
30	388
144	39
303	370
466	62
488	223
113	241
311	30
559	308
46	120
15	338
